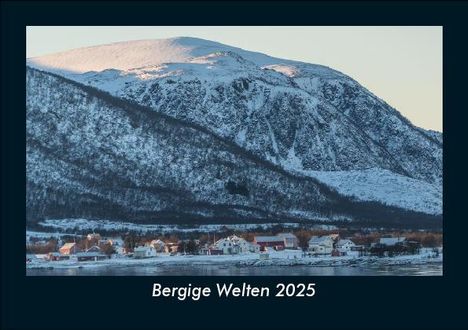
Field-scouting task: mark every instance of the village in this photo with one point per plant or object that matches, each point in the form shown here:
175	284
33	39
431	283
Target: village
284	247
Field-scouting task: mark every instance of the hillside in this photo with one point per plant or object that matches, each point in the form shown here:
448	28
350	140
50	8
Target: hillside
93	155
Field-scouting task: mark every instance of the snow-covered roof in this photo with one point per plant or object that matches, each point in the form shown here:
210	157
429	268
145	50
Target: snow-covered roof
265	239
286	235
94	249
141	248
391	240
231	239
320	240
342	242
222	241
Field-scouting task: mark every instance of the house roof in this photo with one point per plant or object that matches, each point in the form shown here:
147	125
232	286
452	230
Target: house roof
265	239
344	241
221	240
141	248
68	245
286	235
94	248
235	240
391	240
319	240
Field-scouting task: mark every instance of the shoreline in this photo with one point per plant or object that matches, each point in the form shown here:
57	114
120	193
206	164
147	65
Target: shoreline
246	260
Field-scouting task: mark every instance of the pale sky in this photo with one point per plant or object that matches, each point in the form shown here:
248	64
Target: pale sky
401	65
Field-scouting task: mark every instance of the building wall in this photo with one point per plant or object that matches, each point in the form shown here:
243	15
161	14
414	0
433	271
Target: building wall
321	249
290	243
271	244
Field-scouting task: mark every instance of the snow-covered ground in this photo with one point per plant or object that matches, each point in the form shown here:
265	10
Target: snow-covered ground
67	225
384	186
276	258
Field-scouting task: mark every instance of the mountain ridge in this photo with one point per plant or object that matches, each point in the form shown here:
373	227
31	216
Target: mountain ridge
177	49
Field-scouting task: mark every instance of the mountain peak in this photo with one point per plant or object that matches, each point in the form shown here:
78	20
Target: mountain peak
192	41
133	54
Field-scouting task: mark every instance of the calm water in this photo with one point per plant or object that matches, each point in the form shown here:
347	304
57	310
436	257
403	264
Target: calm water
232	270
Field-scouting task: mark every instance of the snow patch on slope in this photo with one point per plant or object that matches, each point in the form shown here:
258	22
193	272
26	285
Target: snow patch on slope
79	224
384	186
287	70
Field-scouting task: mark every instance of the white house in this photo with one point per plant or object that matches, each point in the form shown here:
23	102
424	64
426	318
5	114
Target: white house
234	245
93	236
321	245
390	241
157	245
119	250
243	245
144	252
225	245
90	256
94	248
253	247
116	241
290	240
345	245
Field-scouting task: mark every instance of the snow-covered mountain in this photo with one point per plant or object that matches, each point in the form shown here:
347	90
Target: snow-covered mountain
304	118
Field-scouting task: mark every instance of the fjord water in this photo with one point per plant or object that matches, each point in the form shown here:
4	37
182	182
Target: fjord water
232	270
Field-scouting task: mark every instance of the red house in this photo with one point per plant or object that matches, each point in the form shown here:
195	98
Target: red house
275	242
